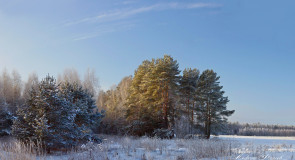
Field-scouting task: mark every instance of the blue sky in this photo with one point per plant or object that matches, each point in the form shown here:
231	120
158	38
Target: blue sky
250	44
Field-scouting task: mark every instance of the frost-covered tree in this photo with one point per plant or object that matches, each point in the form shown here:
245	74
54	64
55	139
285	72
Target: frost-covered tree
32	82
10	90
46	117
58	117
84	110
16	91
90	82
70	75
212	103
6	87
6	120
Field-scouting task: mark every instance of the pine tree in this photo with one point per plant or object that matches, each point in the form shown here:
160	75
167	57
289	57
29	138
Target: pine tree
139	105
54	117
22	127
82	110
151	100
188	86
212	107
134	100
6	120
168	76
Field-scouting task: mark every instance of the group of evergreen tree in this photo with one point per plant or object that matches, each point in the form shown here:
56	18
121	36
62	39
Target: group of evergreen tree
155	101
57	116
160	99
151	103
10	99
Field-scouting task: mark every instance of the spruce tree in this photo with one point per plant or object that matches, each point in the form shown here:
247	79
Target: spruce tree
212	107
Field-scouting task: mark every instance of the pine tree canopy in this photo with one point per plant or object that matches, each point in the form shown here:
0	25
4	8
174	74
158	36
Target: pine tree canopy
159	96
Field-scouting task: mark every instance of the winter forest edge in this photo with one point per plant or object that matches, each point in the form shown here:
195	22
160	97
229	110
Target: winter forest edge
157	101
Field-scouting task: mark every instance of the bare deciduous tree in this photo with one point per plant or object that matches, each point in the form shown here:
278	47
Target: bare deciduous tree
6	87
31	82
70	75
91	82
17	87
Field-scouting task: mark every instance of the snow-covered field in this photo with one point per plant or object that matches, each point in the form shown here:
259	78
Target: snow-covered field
261	147
125	148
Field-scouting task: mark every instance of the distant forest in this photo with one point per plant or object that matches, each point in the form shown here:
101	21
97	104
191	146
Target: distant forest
258	129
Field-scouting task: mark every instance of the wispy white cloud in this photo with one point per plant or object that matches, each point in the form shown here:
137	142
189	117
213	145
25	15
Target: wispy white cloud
126	13
129	2
103	29
113	21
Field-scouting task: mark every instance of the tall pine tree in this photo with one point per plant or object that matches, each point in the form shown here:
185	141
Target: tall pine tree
188	86
212	107
168	76
151	100
141	113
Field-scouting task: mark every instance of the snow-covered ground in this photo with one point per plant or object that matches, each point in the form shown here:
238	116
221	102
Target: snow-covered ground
263	147
221	147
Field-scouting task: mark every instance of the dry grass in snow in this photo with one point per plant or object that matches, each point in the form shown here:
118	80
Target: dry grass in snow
144	148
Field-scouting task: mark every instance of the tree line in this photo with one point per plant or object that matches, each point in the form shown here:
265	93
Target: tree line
258	129
158	100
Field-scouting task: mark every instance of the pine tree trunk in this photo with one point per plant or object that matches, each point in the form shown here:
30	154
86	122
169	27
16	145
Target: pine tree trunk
163	106
192	124
188	114
166	106
173	116
209	128
208	121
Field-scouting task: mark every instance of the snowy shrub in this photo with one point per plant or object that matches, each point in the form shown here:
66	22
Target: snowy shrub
164	133
192	136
